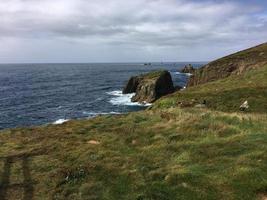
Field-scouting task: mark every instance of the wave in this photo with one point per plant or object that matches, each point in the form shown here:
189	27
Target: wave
89	114
60	121
96	100
180	73
120	99
100	88
94	114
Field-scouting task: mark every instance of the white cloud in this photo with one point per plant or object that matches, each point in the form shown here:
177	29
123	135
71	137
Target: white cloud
122	25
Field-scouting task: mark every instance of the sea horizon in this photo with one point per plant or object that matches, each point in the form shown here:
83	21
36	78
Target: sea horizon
142	62
45	93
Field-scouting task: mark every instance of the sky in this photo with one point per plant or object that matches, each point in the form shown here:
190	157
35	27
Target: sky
51	31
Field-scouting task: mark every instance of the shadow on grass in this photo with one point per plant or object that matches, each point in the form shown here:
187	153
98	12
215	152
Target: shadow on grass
27	183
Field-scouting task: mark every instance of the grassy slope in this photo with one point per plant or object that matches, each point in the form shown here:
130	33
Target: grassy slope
236	63
226	94
162	153
145	155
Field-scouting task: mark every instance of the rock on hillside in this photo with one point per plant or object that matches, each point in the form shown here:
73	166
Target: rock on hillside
236	63
149	87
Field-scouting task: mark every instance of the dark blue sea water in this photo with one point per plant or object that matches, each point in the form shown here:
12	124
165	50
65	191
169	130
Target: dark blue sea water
35	94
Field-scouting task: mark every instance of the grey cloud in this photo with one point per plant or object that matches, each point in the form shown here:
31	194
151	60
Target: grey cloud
131	24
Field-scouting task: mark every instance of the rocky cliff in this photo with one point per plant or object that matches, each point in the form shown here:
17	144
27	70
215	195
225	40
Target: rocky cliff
149	87
237	63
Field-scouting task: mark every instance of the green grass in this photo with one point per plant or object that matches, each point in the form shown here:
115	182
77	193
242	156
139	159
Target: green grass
166	152
226	94
156	154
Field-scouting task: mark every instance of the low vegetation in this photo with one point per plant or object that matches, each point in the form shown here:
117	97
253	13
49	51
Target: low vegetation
226	94
157	154
234	64
166	152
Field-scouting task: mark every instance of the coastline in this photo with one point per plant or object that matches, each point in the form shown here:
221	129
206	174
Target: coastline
54	92
175	149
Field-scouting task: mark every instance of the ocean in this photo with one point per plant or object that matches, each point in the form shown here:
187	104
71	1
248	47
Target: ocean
37	94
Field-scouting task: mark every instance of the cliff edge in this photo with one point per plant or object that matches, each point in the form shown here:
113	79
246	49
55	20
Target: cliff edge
237	64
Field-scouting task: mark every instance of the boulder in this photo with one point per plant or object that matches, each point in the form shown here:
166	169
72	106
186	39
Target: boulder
149	87
244	106
188	69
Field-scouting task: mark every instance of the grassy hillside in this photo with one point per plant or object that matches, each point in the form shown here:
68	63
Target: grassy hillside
235	64
225	94
173	150
161	154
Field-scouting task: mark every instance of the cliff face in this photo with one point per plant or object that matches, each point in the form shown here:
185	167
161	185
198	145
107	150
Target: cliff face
237	63
149	87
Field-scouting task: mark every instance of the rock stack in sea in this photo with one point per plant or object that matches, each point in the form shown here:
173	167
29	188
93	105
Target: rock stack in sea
149	87
188	69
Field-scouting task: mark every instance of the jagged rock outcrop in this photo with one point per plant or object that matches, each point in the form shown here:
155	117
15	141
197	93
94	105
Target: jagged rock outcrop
149	87
237	63
188	69
132	85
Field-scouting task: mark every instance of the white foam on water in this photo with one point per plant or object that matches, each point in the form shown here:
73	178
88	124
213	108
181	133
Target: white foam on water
179	73
94	114
60	121
96	100
120	99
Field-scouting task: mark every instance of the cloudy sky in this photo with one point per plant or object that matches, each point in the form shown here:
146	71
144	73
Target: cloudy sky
128	30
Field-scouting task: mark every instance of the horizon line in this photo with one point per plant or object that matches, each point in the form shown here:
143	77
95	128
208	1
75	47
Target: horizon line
6	63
